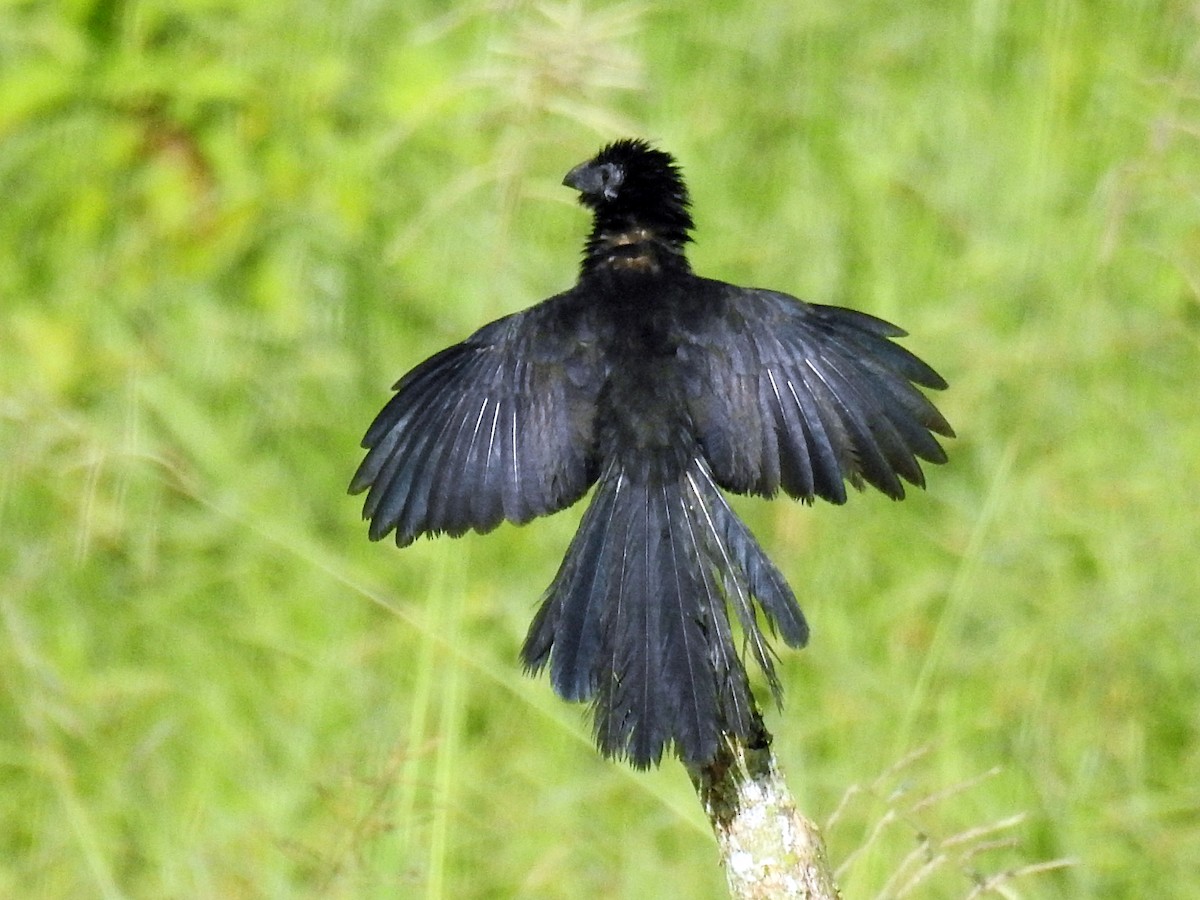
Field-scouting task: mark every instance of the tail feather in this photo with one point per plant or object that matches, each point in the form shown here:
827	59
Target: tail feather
737	710
629	714
688	671
573	628
748	575
636	619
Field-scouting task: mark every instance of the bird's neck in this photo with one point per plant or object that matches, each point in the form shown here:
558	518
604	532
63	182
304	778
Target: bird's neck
633	250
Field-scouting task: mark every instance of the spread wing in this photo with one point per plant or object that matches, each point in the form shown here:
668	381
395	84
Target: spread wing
498	427
792	395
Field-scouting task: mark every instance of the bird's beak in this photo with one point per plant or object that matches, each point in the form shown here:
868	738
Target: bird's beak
584	178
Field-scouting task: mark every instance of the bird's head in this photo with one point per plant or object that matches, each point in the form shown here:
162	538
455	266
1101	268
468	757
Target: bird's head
630	183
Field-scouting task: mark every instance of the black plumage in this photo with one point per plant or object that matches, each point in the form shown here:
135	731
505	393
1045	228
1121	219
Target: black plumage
661	388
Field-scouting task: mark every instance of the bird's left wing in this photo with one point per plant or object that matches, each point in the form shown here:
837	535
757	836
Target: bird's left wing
497	427
805	397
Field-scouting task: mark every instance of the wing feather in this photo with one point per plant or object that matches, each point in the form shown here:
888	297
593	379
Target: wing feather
500	426
807	397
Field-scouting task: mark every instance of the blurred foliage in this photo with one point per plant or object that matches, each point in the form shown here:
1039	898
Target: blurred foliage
226	227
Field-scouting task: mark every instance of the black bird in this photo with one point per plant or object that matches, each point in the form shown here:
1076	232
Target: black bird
662	389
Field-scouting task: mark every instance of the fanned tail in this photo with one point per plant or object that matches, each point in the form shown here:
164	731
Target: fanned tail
636	620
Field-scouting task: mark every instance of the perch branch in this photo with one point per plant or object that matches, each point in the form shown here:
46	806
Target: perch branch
769	849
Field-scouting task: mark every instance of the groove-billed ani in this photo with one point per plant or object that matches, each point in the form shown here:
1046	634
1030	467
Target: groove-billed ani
661	388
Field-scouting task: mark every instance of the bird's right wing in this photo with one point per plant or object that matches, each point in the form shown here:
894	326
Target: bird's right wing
805	397
498	427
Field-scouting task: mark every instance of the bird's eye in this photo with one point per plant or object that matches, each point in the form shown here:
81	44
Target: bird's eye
611	176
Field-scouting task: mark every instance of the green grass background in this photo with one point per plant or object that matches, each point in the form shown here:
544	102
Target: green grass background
226	228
